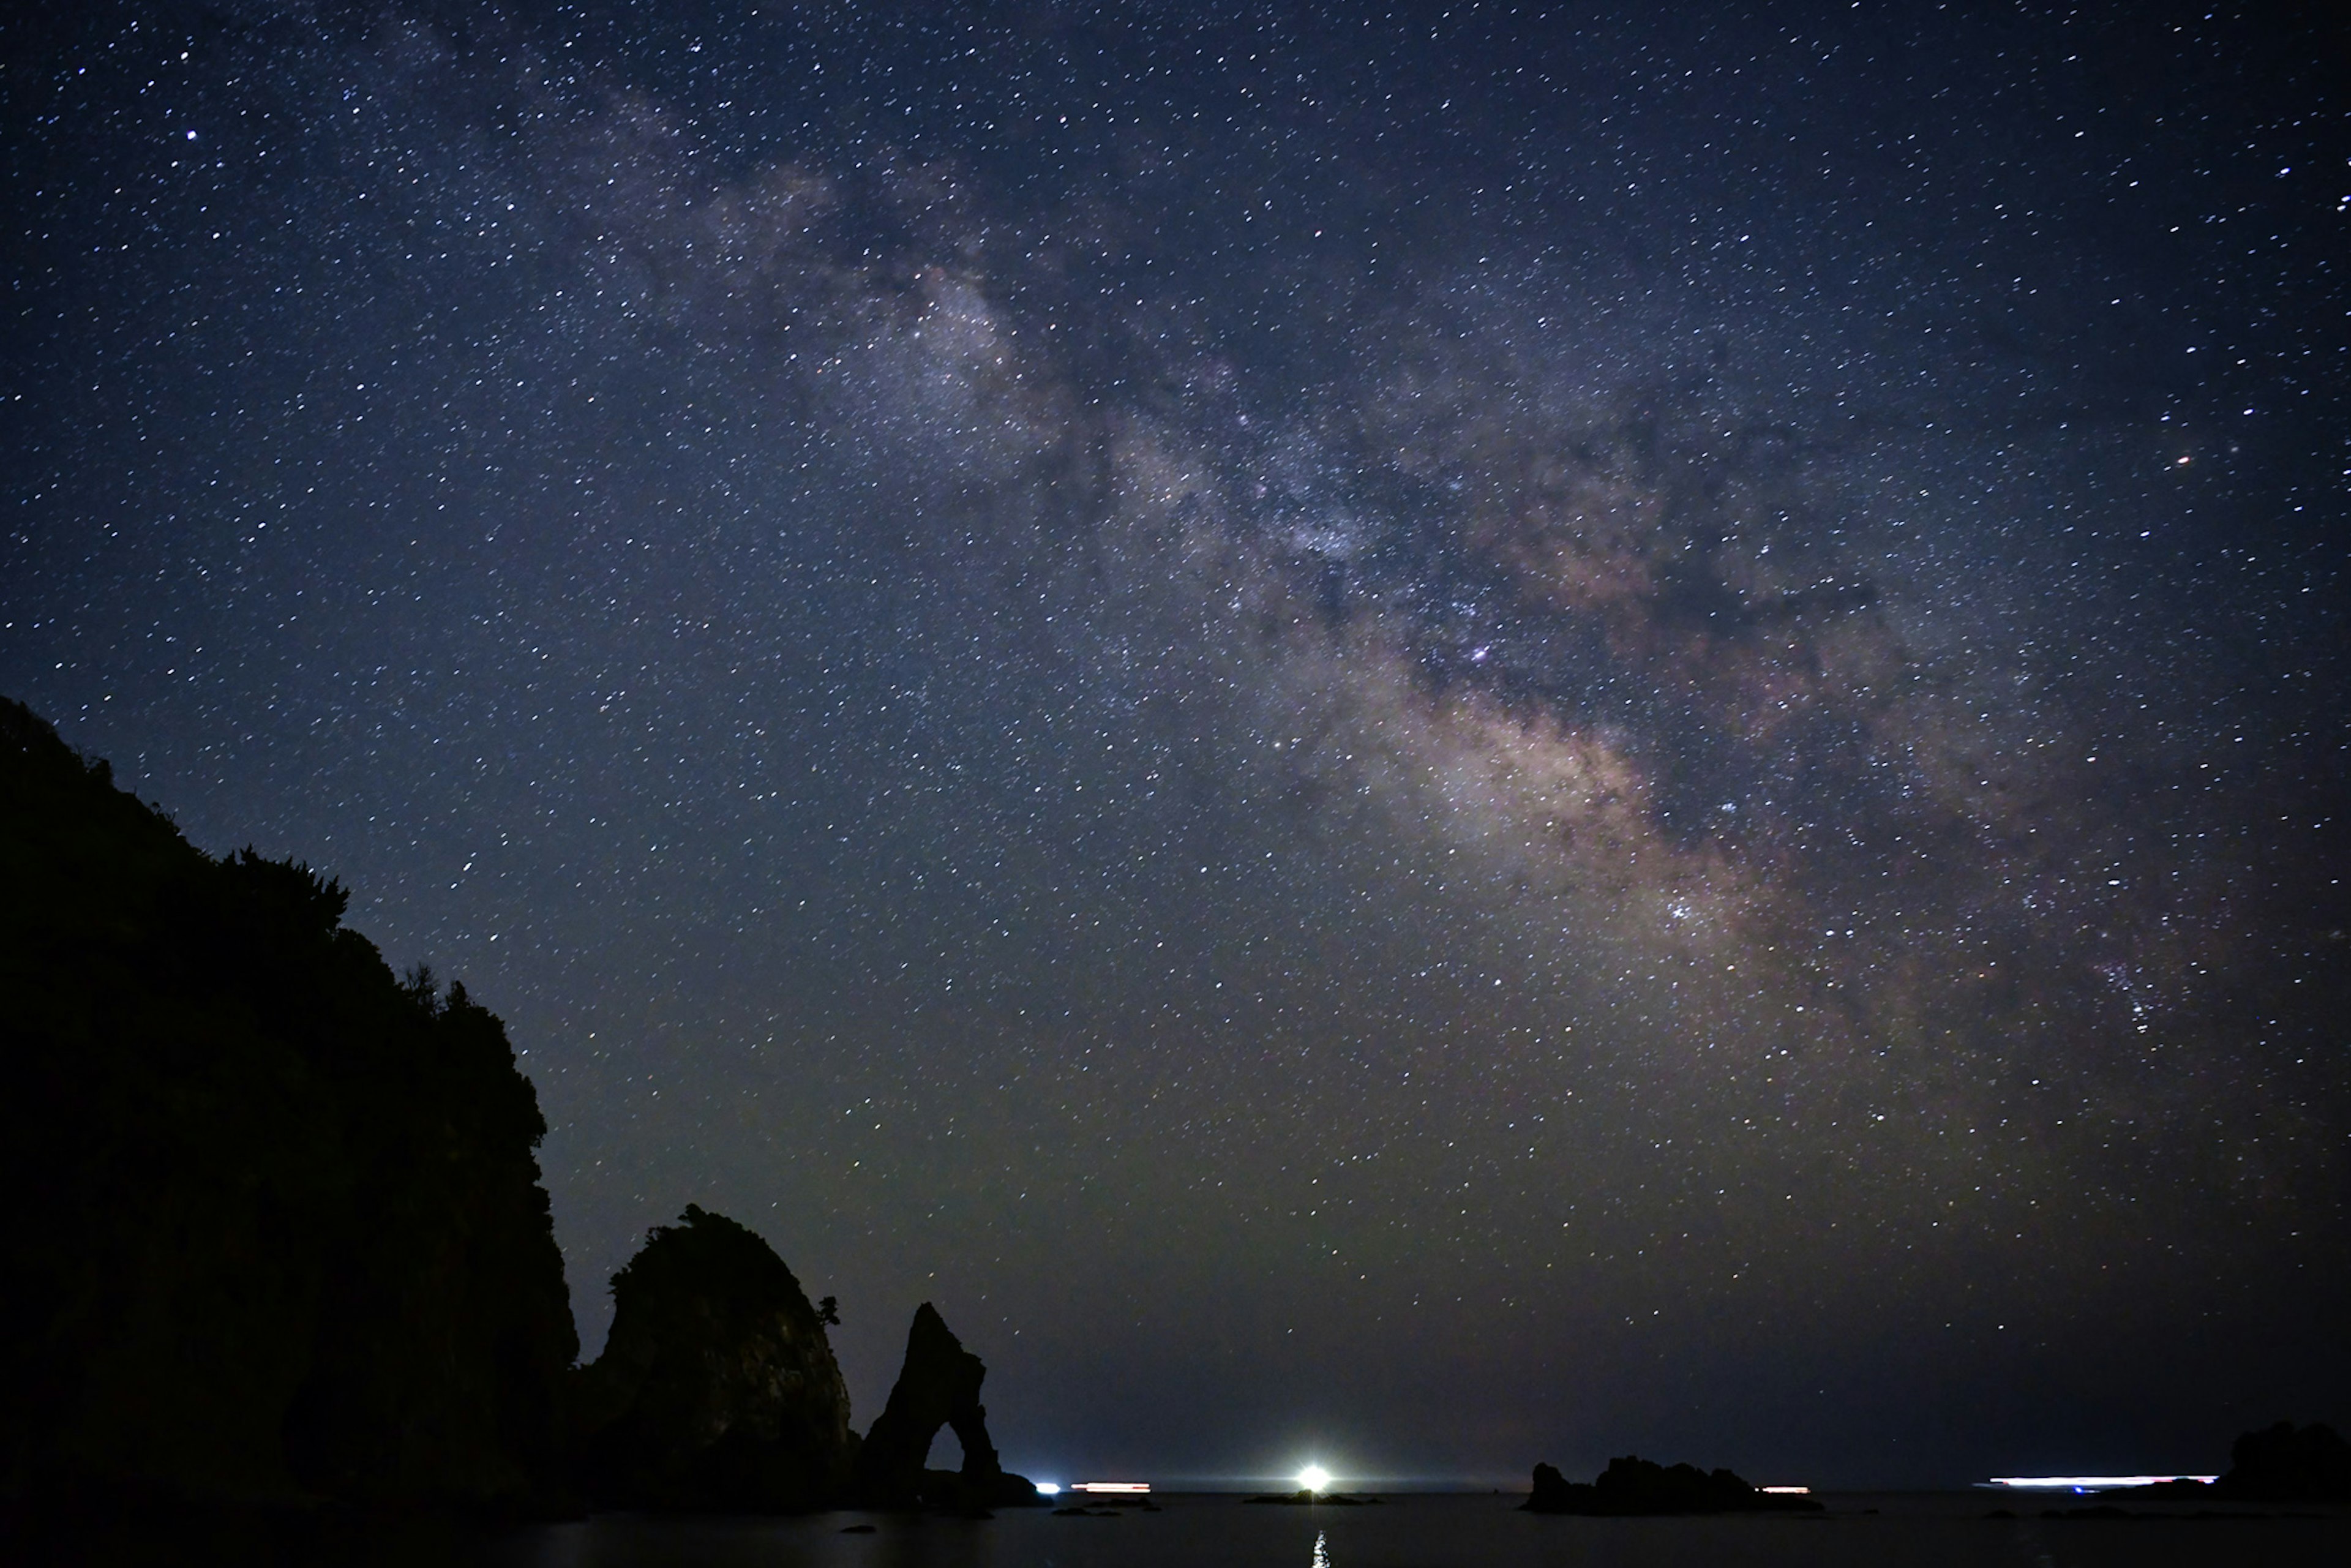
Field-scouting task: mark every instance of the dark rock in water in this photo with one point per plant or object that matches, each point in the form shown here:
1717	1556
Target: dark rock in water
2184	1486
2278	1464
1305	1499
1632	1485
284	1232
717	1388
2289	1464
938	1386
1551	1492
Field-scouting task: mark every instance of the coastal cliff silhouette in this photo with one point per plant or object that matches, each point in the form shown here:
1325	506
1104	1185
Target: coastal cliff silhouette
285	1239
2280	1463
283	1232
282	1239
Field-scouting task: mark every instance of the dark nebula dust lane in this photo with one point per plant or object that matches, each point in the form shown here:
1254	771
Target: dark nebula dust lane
1438	737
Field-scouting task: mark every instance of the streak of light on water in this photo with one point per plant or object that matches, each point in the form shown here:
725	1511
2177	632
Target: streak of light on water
1946	1530
2082	1483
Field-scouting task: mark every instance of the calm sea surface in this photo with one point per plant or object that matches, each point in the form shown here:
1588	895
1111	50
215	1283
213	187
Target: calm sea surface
1203	1531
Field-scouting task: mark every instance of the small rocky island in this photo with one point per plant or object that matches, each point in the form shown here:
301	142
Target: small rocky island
1632	1485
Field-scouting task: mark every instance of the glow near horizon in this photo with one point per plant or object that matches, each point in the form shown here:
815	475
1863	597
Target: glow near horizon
2088	1483
1314	1478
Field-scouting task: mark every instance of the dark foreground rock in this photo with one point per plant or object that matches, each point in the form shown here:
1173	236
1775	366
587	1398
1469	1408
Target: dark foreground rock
2289	1464
282	1242
937	1386
1632	1485
280	1233
2284	1463
717	1389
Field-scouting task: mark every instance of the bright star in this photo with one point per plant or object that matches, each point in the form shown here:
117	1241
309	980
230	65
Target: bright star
1314	1478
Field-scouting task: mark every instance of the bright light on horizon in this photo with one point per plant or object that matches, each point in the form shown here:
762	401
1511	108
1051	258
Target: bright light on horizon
1314	1478
2087	1483
1048	1489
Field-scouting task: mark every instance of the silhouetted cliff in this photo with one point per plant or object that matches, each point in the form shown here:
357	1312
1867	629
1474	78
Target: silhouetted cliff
2284	1463
279	1226
2289	1464
717	1388
1632	1485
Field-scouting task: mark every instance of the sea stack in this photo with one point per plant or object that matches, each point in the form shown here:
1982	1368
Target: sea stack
717	1389
938	1386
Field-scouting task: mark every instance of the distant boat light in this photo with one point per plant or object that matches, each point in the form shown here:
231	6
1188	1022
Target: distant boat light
1314	1478
1048	1489
1125	1488
2087	1483
1786	1491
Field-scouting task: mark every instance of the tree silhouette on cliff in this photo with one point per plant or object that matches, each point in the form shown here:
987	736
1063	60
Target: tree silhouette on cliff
281	1228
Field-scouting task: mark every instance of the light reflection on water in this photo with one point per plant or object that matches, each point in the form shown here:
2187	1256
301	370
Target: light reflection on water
1950	1530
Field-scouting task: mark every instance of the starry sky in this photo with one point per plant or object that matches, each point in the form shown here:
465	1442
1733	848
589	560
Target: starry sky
1426	736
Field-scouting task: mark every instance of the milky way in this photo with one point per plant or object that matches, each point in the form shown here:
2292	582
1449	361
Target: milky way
1442	740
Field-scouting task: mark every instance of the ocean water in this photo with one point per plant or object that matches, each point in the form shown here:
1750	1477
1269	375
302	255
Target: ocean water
1940	1531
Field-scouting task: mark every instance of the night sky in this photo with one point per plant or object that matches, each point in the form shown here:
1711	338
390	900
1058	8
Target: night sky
1422	737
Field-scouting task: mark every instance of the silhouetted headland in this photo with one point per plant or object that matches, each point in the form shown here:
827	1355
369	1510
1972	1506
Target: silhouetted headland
280	1231
1632	1485
2284	1463
282	1240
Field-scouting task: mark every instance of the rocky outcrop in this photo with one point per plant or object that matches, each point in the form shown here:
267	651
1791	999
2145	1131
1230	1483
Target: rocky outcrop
1632	1485
281	1231
717	1388
2284	1463
282	1235
1553	1492
2289	1464
937	1386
